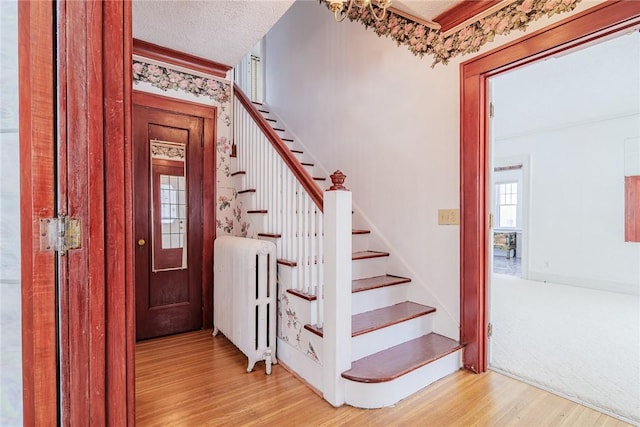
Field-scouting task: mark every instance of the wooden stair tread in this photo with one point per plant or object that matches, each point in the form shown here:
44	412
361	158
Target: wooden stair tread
286	262
368	254
302	295
278	129
272	235
239	173
263	111
381	318
401	359
387	316
377	282
288	140
270	119
257	211
248	190
293	151
356	231
319	178
306	164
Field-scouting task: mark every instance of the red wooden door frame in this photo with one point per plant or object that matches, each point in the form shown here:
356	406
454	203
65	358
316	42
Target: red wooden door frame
208	114
594	23
37	172
75	116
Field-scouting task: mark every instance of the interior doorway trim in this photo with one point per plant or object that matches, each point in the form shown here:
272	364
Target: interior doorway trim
595	23
209	114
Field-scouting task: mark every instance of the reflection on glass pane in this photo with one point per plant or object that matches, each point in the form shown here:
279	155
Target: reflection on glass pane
172	207
508	216
168	168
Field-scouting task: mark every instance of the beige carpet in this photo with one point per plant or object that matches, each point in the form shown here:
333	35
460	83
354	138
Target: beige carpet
582	343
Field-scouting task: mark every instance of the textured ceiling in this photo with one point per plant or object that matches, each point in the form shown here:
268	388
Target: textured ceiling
226	30
218	30
425	9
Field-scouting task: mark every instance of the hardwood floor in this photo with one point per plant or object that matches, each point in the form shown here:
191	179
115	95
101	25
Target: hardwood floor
195	379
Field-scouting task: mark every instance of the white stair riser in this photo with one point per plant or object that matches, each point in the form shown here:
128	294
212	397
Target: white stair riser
248	201
306	311
369	267
359	242
258	222
287	279
290	277
381	339
379	395
239	181
378	298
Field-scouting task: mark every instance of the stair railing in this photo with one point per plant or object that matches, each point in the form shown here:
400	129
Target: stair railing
284	188
318	241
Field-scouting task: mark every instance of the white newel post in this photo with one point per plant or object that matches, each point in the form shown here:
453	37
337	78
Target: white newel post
337	289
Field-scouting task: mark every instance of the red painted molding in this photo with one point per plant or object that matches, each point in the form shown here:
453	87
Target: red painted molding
632	208
37	170
299	171
461	12
181	59
598	21
119	280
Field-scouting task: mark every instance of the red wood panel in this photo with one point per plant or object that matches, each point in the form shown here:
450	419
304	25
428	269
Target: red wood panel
181	59
632	208
581	28
84	284
119	391
94	80
461	12
473	227
37	160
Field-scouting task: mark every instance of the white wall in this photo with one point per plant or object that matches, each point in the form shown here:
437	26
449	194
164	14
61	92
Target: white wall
361	104
576	228
571	116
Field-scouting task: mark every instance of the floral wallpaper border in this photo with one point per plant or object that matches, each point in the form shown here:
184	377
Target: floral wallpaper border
229	213
421	40
165	79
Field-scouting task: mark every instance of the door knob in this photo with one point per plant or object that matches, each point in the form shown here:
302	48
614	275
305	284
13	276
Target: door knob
141	242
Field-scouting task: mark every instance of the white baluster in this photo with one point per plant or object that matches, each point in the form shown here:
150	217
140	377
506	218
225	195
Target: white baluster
306	238
291	212
320	290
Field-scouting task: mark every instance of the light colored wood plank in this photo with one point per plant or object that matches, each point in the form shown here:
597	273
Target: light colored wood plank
195	379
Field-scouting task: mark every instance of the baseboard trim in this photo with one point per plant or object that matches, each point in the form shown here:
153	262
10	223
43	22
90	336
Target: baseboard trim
581	282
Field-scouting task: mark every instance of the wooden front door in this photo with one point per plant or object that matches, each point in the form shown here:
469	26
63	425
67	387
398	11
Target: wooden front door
168	164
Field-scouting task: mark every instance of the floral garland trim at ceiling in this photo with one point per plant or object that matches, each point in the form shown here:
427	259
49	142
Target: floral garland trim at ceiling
165	79
422	40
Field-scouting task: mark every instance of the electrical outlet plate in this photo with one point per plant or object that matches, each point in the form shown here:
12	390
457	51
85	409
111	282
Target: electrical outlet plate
448	216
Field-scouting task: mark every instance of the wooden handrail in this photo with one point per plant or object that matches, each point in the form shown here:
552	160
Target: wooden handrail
291	161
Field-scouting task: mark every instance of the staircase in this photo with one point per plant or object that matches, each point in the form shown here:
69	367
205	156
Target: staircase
395	351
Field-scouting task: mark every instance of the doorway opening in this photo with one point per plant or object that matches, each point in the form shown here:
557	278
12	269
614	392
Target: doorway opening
558	325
